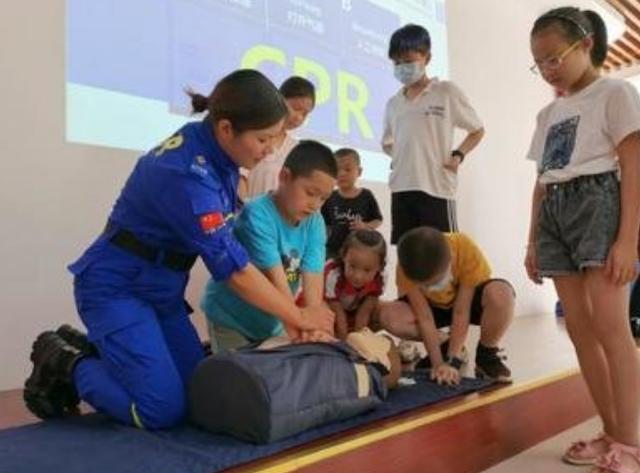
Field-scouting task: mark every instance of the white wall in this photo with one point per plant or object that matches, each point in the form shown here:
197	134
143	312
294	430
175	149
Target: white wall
54	197
490	59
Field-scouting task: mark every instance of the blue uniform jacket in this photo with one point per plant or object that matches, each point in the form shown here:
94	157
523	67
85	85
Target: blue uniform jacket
181	196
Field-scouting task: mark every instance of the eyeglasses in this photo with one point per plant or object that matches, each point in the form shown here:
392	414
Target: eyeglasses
553	63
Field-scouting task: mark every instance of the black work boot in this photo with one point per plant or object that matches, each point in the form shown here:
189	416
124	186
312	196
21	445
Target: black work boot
490	364
49	391
77	339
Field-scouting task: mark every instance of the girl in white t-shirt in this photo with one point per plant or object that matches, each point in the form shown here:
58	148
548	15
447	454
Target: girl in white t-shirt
300	96
584	222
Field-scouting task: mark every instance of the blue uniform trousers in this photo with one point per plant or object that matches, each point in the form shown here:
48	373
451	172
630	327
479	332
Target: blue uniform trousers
148	347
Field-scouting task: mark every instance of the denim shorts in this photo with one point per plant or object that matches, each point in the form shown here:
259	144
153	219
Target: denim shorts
577	224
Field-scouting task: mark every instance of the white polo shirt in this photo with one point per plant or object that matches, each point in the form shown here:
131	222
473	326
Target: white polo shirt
420	134
265	176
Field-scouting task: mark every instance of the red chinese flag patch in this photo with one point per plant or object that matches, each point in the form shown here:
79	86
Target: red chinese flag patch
211	222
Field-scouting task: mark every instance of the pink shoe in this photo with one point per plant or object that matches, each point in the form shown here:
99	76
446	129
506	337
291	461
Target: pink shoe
614	462
585	452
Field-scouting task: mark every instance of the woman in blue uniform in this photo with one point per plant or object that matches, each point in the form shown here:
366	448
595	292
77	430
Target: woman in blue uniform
177	204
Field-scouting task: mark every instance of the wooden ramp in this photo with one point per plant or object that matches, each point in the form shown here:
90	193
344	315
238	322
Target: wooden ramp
465	435
468	434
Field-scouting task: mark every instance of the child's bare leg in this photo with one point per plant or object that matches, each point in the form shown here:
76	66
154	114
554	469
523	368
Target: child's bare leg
611	327
578	317
397	318
498	303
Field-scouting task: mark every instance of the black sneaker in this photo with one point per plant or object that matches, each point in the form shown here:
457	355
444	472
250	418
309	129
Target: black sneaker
490	365
49	391
77	339
425	363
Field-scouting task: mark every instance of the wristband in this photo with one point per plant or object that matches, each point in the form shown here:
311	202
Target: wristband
459	154
455	362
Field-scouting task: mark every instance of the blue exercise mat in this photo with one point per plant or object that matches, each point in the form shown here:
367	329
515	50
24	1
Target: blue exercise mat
93	443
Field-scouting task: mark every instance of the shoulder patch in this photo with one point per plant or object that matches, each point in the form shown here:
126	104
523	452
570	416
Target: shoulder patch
211	222
169	144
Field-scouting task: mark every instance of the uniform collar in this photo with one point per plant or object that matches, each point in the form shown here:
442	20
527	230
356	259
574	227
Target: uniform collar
218	157
432	81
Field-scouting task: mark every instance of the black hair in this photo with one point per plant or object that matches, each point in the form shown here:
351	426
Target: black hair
296	86
422	253
409	38
366	238
343	152
308	156
576	24
246	98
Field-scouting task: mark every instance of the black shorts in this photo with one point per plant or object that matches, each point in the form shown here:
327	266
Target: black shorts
444	317
412	209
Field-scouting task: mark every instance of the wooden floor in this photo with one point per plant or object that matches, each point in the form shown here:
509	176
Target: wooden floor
464	435
545	456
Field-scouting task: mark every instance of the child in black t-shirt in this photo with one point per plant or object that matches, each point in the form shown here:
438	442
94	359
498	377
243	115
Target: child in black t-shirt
349	207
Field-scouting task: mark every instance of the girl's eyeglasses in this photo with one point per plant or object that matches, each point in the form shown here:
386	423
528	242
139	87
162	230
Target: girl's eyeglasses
553	63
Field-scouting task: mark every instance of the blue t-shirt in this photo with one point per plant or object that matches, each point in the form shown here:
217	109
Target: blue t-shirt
270	241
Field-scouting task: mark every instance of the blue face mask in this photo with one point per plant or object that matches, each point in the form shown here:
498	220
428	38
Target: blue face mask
408	73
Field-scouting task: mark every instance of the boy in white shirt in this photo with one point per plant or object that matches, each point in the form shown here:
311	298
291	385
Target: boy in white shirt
418	135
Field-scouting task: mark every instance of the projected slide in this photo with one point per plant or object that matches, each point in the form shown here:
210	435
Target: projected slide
128	63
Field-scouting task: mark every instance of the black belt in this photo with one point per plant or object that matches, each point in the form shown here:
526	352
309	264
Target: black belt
127	241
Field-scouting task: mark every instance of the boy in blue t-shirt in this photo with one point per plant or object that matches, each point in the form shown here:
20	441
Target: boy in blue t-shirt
284	235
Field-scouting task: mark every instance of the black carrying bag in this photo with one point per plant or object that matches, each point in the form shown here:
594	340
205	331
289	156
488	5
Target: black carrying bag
266	395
